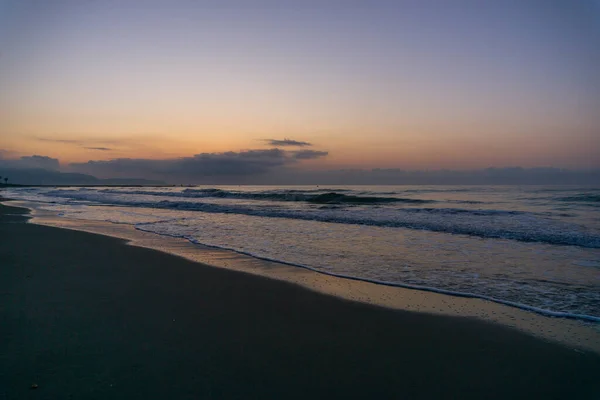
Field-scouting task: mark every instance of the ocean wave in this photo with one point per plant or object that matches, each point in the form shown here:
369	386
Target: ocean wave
338	198
584	197
501	224
448	190
455	211
567	189
317	196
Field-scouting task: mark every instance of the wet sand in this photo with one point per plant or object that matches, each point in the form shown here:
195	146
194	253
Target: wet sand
86	316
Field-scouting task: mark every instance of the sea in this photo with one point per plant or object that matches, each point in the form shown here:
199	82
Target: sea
531	247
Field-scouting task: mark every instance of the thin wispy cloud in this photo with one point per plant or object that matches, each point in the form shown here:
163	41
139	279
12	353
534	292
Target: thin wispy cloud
86	143
99	148
54	140
287	142
148	142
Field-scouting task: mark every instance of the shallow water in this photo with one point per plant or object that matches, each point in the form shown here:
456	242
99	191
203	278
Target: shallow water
533	247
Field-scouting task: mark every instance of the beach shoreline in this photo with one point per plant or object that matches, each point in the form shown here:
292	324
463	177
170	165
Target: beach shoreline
570	332
87	315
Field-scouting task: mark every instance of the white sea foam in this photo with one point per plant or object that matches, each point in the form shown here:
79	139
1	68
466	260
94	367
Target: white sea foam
538	310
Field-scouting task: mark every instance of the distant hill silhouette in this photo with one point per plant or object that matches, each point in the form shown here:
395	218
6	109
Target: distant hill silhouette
38	176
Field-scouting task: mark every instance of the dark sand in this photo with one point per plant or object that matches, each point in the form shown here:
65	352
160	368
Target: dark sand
86	317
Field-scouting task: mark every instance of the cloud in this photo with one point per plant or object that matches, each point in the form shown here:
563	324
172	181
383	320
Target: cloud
99	148
89	144
273	166
287	142
308	154
150	143
52	140
226	164
35	161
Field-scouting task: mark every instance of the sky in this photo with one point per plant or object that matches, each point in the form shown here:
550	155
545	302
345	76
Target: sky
218	87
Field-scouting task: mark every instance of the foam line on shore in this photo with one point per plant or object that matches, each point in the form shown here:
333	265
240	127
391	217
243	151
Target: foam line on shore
549	313
541	311
575	333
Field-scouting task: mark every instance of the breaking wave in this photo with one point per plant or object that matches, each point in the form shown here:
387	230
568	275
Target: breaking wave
501	224
309	196
588	198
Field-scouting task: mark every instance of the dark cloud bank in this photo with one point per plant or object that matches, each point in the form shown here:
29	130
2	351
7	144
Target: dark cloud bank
266	166
228	166
43	170
34	161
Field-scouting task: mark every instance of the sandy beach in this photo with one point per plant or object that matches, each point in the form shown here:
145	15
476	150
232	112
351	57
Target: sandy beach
86	316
